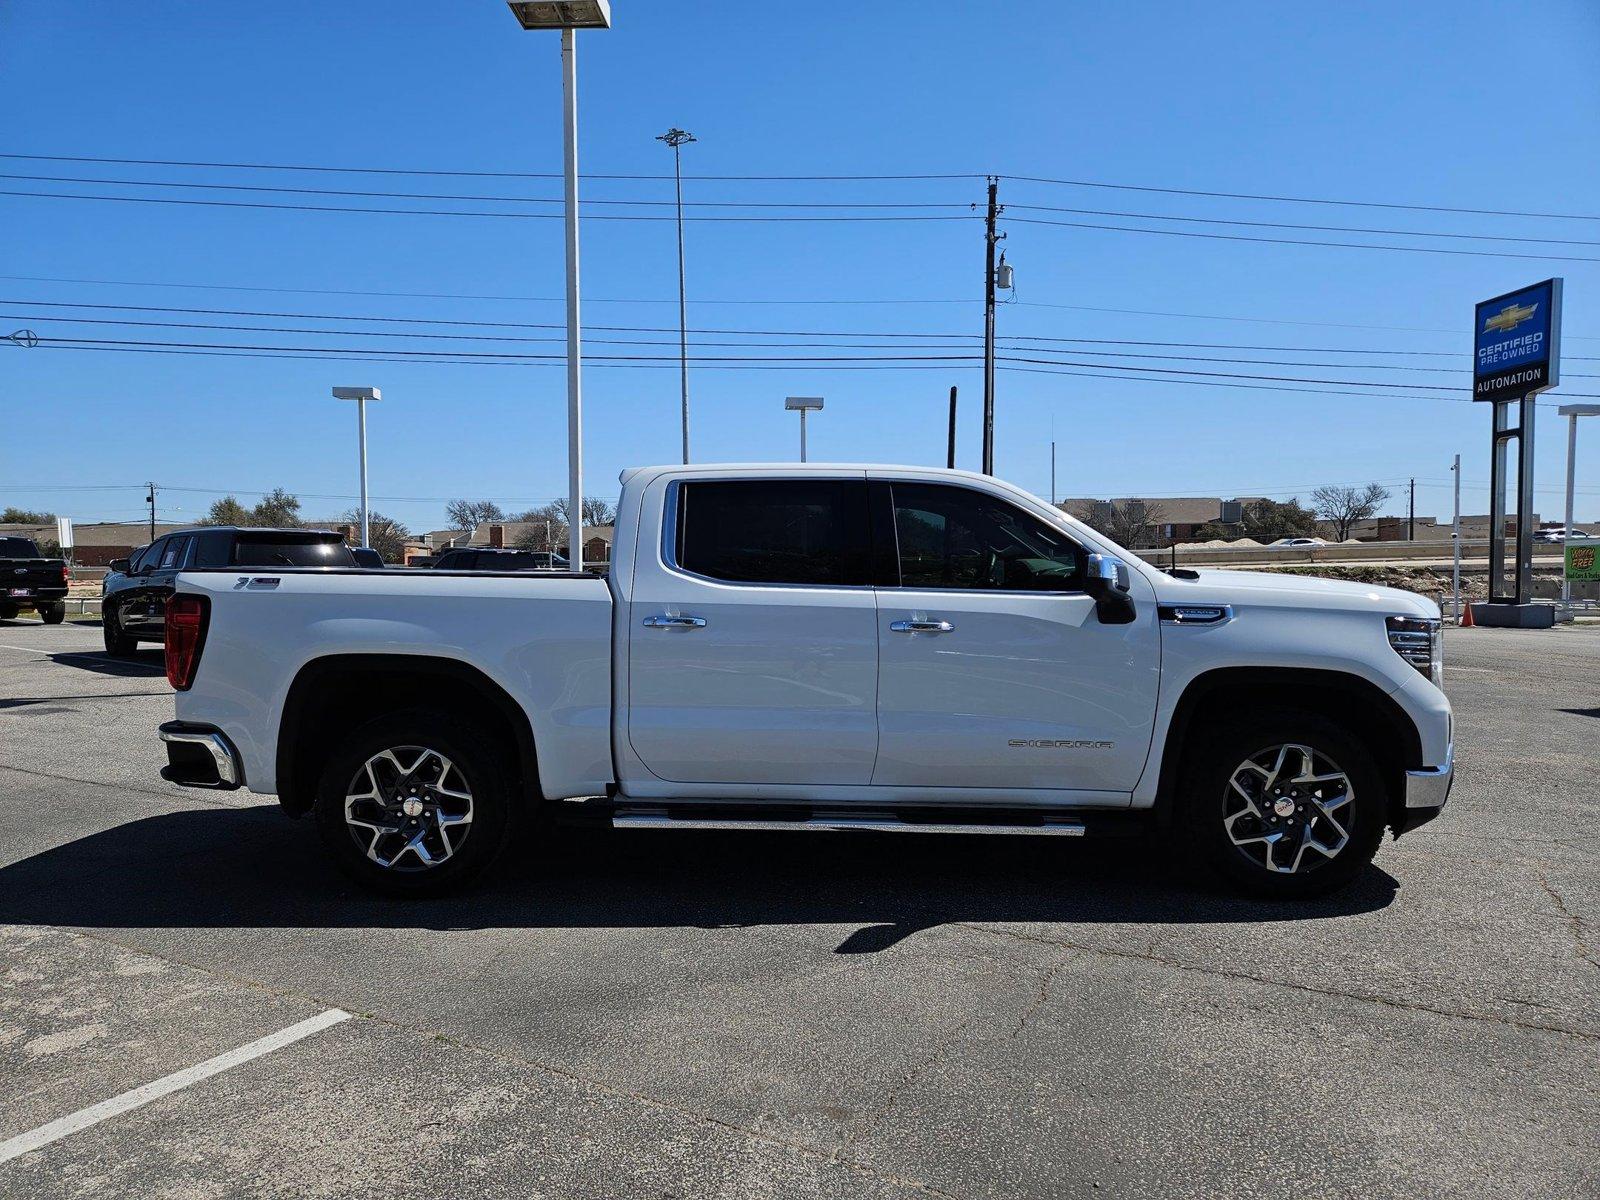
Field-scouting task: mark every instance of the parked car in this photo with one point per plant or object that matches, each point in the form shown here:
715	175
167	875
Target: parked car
1300	542
365	556
812	647
477	558
29	579
1555	533
133	595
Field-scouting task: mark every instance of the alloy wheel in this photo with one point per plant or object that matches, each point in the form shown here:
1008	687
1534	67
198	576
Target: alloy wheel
1287	809
409	808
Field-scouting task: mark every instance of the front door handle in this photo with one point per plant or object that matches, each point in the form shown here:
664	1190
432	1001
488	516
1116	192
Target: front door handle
664	622
920	626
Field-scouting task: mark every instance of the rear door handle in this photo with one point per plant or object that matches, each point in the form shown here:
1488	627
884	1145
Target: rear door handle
665	622
920	626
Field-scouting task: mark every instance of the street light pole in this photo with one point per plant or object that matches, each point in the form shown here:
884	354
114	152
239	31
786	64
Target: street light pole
361	395
802	405
677	139
569	16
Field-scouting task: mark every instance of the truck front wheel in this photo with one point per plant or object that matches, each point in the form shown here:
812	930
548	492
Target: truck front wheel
415	803
1281	804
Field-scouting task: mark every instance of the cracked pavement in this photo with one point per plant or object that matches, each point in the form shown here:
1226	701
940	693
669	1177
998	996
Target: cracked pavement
749	1015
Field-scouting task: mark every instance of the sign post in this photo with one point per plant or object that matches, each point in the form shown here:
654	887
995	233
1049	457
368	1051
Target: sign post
1516	354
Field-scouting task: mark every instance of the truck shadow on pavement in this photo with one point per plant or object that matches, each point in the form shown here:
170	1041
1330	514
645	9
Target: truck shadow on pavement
251	867
145	665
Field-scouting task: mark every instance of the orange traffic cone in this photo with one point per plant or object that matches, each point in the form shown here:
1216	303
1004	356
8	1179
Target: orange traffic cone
1466	618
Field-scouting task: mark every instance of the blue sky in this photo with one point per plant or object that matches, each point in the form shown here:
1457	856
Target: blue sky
1466	105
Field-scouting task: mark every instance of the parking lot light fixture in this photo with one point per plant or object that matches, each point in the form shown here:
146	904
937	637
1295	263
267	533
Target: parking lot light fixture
569	16
361	395
803	405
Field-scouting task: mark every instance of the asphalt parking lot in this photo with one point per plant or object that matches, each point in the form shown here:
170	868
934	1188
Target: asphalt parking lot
674	1014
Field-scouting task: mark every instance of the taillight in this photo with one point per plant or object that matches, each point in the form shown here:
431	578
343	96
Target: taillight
66	575
187	617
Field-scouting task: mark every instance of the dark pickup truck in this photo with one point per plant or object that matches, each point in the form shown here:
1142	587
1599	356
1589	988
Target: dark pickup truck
133	596
29	580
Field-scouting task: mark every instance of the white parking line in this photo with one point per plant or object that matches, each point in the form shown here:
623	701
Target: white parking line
34	1139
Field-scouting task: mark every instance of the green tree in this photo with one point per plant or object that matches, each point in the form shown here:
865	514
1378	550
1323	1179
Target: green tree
227	511
278	509
26	516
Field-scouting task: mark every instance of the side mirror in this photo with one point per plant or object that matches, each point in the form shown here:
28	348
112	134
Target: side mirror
1109	584
119	565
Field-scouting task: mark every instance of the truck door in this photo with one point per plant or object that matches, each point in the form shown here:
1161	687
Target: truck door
753	652
994	670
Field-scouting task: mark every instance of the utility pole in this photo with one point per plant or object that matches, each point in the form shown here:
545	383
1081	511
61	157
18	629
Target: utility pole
950	454
151	501
1411	521
677	138
991	236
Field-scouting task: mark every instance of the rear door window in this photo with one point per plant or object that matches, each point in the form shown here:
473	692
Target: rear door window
795	531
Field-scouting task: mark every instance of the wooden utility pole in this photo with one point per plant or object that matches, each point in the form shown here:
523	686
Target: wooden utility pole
991	236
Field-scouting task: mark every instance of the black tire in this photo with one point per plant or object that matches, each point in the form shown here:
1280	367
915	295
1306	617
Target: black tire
8	612
52	614
1307	828
477	766
118	644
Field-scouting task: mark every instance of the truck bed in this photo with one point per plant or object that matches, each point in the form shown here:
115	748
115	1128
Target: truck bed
543	638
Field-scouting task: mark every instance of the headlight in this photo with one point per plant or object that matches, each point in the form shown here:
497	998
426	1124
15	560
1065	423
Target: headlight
1420	642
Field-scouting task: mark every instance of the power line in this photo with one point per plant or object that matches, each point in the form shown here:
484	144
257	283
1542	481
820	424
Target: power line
437	212
1241	237
1169	191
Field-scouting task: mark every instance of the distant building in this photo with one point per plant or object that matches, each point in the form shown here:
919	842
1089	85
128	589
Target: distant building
1176	518
539	534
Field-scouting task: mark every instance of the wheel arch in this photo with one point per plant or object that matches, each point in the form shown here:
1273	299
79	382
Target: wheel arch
1357	703
337	693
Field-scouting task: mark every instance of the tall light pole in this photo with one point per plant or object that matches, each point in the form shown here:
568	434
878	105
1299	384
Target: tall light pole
803	405
1572	412
569	16
361	395
677	139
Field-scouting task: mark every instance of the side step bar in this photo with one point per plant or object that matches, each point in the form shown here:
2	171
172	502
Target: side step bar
658	818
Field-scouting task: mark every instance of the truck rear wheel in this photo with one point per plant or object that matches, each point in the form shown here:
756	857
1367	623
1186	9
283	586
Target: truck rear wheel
1281	804
118	644
8	612
415	803
52	614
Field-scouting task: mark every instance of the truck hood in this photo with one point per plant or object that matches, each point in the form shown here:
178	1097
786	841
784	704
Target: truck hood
1276	590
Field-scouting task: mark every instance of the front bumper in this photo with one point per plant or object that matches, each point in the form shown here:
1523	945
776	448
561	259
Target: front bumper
200	756
1426	791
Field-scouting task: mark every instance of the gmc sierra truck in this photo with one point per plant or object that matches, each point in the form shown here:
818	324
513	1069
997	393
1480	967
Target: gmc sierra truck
820	647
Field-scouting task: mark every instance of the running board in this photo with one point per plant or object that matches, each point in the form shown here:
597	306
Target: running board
657	818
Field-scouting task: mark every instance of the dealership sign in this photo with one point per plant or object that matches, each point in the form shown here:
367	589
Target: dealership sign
1516	343
1583	561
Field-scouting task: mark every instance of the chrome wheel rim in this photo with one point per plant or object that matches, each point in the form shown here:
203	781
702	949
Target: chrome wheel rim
409	808
1287	809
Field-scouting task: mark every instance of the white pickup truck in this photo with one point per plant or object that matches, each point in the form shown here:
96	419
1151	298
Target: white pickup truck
820	647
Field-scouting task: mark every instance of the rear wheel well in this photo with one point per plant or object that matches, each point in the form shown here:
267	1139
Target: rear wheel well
1359	706
332	697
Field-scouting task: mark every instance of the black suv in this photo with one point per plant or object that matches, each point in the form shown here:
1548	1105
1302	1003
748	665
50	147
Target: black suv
133	596
478	559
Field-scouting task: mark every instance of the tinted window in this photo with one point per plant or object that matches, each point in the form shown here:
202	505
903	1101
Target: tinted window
521	560
774	531
143	559
953	537
457	560
15	547
173	553
287	550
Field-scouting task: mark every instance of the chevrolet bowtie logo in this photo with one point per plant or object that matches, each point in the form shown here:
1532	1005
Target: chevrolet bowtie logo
1509	317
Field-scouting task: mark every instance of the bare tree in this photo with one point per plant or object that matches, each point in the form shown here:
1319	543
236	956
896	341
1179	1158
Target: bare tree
595	512
1129	523
1345	507
387	536
469	514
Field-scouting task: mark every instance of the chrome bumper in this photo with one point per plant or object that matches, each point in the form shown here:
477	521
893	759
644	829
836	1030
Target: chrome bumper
225	771
1430	786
